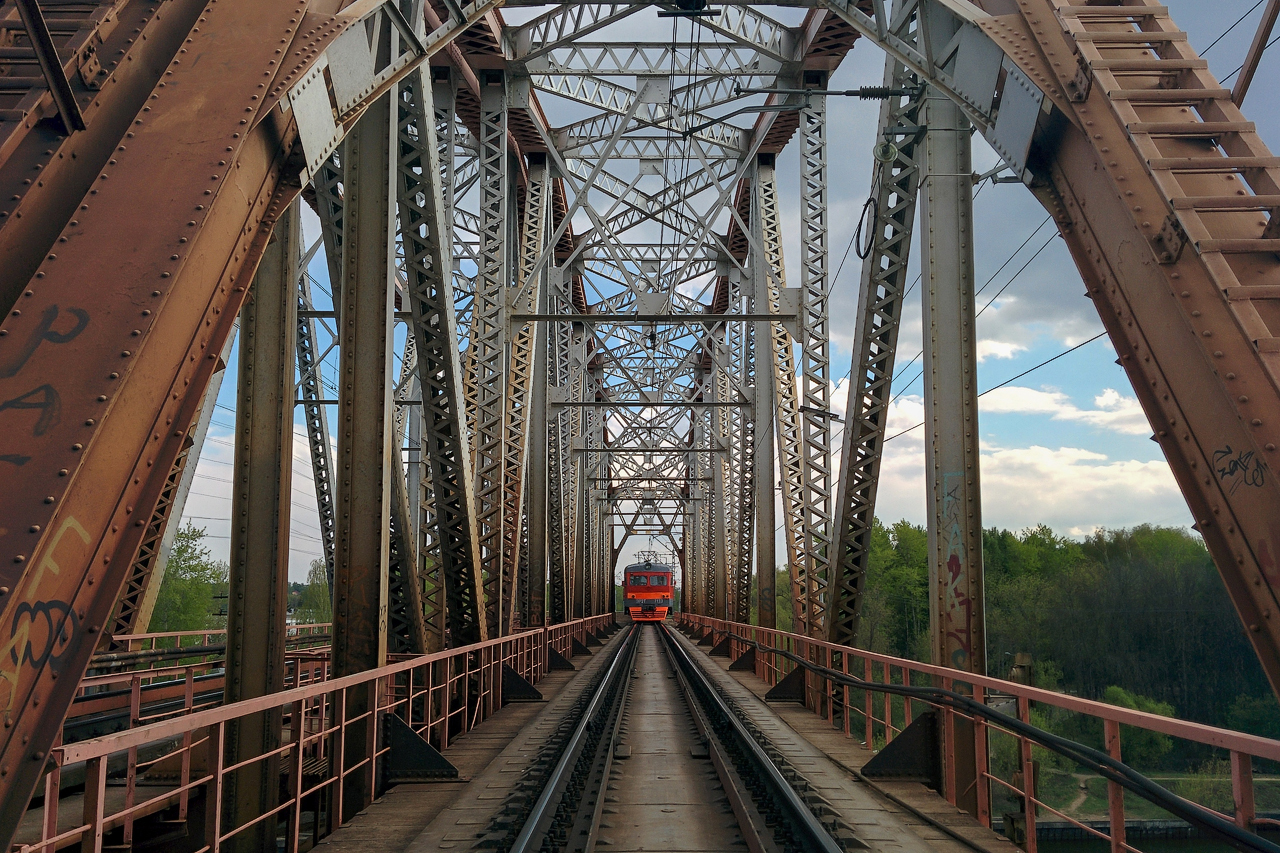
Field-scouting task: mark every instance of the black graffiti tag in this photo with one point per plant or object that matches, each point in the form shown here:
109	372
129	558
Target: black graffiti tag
1239	469
43	331
46	399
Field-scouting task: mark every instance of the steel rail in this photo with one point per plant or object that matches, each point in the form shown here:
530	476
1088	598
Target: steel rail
539	820
1100	762
808	829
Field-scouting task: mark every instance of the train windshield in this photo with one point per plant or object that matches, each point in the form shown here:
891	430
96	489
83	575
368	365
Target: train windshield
639	580
658	580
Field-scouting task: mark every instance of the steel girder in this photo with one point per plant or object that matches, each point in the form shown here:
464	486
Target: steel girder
815	364
102	443
142	585
311	392
261	505
521	363
786	400
883	286
445	508
406	625
559	462
951	391
487	350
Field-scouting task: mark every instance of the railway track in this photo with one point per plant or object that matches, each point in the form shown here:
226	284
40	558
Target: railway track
660	761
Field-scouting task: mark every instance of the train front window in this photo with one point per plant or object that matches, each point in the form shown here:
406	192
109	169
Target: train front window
639	580
657	580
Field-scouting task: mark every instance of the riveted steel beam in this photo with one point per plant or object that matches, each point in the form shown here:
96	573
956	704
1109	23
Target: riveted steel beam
444	511
882	288
262	484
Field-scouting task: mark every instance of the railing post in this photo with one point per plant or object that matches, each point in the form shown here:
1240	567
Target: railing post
979	750
948	746
848	712
888	705
213	789
868	698
299	733
51	785
1242	789
337	760
1028	776
1115	794
188	702
95	799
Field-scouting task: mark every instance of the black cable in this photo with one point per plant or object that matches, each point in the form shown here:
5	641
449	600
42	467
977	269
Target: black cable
1228	30
1086	756
1014	277
1241	67
1010	379
874	207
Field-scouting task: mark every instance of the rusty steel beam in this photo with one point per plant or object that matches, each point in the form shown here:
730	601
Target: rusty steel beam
134	48
444	510
99	386
1254	56
261	499
95	399
364	460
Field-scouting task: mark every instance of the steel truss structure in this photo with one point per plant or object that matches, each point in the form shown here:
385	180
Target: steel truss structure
568	232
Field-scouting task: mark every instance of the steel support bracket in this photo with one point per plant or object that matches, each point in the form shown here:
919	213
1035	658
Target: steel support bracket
409	757
557	662
912	756
789	689
516	688
1169	242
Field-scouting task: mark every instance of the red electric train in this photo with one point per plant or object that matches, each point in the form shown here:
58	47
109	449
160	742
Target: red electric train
647	591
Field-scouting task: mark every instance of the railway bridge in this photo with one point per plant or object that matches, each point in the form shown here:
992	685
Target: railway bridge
553	322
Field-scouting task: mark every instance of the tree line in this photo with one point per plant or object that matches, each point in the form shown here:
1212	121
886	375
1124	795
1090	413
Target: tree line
1129	616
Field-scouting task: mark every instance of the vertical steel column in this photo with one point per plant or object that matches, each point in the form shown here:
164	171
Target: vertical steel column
260	502
579	390
950	391
720	530
540	480
951	417
742	431
883	285
762	450
489	340
786	400
815	358
559	460
444	507
316	416
364	459
518	425
406	631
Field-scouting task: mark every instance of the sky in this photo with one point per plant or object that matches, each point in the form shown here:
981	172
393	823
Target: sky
1066	445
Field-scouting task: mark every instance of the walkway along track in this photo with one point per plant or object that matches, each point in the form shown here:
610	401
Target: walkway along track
661	761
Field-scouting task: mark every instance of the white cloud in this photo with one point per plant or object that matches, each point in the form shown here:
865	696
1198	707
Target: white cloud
209	502
998	349
1113	411
1073	490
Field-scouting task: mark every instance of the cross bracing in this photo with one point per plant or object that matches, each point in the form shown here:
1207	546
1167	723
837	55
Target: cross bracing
559	315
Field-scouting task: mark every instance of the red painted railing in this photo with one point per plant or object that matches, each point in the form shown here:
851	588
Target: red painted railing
877	717
165	764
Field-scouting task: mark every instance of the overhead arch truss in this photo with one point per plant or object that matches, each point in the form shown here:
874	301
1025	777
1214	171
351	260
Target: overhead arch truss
1163	191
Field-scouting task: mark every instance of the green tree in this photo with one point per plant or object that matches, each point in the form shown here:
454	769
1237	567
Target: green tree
192	579
315	605
1141	747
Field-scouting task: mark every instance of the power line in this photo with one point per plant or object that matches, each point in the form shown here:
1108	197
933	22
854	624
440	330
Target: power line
1241	66
1228	30
1012	378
